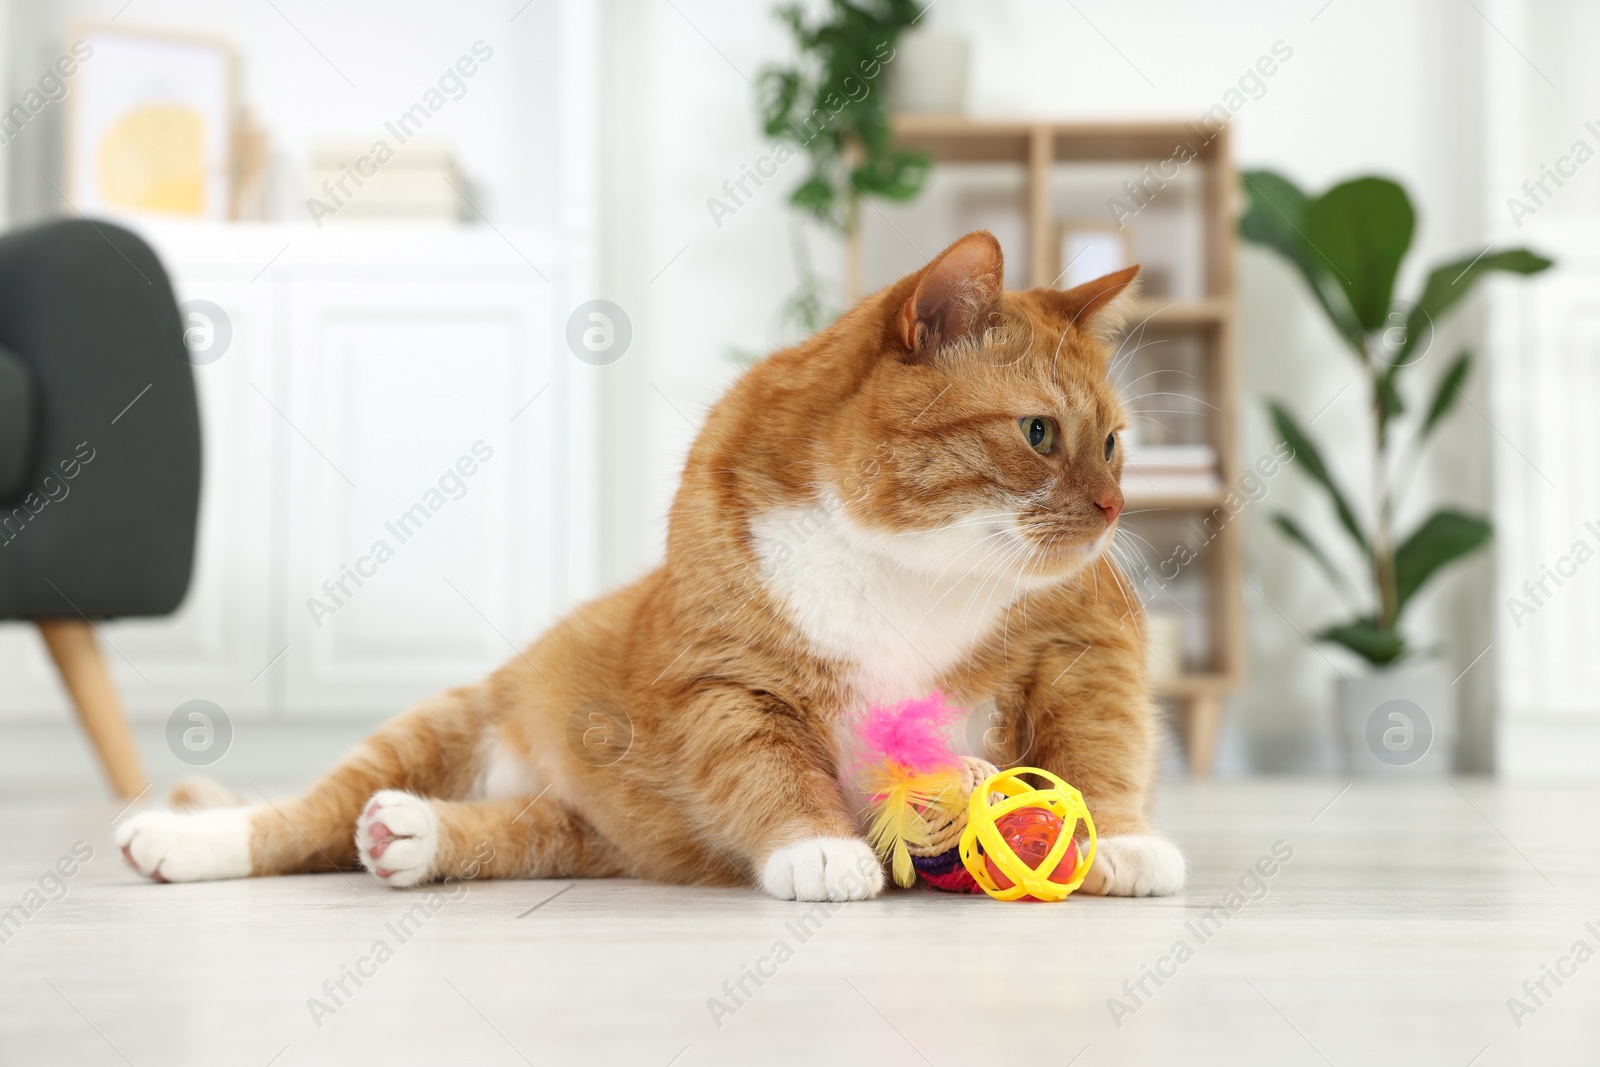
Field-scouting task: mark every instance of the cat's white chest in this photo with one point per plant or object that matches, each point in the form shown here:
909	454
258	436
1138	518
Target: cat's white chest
899	629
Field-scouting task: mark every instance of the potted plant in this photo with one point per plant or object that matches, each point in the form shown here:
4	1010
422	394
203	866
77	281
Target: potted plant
830	105
1348	245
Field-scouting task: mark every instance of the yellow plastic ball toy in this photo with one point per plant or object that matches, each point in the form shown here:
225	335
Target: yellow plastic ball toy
1040	823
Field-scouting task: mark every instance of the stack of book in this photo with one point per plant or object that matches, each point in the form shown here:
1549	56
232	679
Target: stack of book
418	182
1171	471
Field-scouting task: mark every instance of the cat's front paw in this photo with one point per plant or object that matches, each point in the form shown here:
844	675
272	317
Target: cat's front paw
398	838
1135	865
824	868
187	846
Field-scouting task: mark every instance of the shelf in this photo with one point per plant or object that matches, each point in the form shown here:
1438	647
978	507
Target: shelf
959	139
1167	312
1190	685
1134	500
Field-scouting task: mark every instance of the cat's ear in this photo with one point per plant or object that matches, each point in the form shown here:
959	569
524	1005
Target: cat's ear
954	296
1098	307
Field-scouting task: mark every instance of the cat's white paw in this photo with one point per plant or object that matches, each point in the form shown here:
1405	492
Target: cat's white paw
398	837
824	868
187	846
1135	865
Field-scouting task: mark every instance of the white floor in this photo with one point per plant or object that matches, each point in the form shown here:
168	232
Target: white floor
1407	917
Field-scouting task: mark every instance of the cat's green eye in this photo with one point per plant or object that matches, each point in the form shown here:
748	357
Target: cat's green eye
1111	444
1039	431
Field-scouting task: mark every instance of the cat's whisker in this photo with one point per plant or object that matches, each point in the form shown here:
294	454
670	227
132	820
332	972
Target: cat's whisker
988	554
1154	373
1184	396
1128	598
1135	420
997	534
999	575
1122	360
1162	584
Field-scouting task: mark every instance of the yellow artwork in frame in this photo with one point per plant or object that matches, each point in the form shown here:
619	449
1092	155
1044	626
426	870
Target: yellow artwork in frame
150	125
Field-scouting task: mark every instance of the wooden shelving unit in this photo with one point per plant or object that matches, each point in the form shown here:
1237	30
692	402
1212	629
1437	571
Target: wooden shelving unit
1040	148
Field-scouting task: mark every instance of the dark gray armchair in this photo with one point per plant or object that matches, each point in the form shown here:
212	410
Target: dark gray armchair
99	454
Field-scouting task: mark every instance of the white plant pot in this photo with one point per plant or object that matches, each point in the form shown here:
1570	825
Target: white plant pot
1398	722
928	74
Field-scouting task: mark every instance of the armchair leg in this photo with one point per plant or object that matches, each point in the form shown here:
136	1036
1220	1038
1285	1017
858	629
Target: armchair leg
1202	717
77	654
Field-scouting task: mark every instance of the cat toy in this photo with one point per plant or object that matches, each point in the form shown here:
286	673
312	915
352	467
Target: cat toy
959	822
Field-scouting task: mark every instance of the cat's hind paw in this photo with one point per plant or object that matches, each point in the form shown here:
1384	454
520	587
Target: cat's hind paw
187	846
398	838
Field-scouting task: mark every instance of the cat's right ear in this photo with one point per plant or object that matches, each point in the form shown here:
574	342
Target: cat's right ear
954	297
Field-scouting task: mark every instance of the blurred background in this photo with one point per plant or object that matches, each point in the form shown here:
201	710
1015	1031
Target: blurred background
458	283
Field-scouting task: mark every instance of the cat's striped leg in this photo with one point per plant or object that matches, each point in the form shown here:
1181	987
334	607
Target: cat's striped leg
406	840
1088	717
767	787
433	749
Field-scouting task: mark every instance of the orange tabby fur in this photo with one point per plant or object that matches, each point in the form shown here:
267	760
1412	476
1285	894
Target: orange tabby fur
900	419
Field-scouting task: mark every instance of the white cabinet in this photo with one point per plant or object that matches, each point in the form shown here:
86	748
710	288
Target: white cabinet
388	489
420	518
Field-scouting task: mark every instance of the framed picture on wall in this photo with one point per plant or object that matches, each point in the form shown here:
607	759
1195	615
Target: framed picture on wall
1087	249
149	124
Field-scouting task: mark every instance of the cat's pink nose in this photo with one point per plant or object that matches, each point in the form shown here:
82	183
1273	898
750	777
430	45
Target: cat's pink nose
1110	502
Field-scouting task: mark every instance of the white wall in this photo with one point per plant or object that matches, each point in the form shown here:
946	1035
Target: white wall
312	71
1371	87
1543	189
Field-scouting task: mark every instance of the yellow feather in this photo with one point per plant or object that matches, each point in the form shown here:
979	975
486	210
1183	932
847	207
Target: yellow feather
899	797
905	875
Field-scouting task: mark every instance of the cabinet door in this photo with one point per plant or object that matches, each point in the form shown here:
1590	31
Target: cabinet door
424	502
216	645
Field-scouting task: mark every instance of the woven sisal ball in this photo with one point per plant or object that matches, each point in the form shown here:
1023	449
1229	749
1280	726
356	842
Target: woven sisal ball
945	824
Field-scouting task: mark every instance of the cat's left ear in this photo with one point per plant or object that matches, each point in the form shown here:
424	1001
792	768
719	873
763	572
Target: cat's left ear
955	296
1096	308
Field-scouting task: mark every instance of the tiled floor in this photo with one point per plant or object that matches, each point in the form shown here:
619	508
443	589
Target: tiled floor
1405	920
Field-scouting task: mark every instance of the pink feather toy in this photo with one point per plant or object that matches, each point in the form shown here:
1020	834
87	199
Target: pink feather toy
918	788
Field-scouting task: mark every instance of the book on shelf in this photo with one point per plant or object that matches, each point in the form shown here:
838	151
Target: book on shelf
1188	470
1137	483
420	183
1195	457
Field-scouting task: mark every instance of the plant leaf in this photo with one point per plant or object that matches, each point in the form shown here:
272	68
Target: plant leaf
1446	536
1296	533
814	195
1275	218
827	106
1306	454
896	175
1361	229
776	93
1448	283
1364	638
1444	397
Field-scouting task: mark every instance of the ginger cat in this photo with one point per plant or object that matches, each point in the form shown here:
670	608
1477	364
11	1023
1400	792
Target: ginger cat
919	497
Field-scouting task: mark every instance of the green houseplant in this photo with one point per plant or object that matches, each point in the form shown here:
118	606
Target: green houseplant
829	105
1348	245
